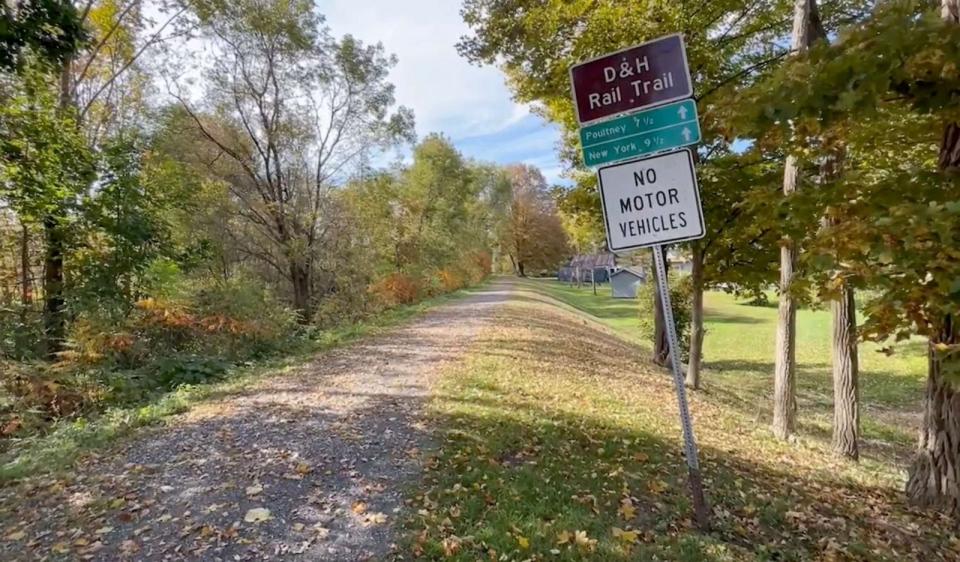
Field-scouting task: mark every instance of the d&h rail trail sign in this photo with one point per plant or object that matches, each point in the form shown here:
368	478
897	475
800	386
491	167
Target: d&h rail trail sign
650	74
654	201
653	130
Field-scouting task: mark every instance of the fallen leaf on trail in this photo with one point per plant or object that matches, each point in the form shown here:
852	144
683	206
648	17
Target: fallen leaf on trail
583	541
627	511
254	490
60	548
129	547
376	518
103	530
321	531
523	541
298	527
257	515
303	468
641	457
625	536
451	545
359	507
15	536
564	537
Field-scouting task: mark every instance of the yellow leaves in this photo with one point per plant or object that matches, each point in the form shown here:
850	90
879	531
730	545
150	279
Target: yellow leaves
641	457
375	519
581	539
628	537
257	515
523	542
359	507
627	510
657	487
15	536
254	489
303	469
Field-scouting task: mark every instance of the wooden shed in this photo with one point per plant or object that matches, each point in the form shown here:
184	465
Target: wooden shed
625	283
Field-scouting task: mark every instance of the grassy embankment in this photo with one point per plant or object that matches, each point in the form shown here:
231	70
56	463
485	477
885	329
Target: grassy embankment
559	440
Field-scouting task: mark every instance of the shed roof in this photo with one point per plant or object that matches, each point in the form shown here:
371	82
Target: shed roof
593	260
630	271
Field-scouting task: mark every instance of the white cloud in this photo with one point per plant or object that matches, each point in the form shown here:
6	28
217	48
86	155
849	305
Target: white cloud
447	93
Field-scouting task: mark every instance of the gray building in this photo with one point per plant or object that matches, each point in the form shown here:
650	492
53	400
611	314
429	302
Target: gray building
625	283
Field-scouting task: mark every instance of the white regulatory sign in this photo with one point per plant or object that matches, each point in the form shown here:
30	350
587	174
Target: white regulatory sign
651	201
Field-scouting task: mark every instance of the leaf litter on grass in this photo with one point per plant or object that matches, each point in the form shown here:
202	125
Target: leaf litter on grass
563	435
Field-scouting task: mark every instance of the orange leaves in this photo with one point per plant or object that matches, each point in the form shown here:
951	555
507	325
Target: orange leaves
450	280
396	288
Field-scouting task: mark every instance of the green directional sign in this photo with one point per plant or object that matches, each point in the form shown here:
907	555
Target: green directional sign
645	132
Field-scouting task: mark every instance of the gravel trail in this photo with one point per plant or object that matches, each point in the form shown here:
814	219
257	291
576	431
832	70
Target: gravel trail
310	464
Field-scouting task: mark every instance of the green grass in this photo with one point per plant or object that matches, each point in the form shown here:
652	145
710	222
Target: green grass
67	440
553	428
738	363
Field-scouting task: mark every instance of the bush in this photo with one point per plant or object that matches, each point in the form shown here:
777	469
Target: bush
38	393
450	280
681	299
396	289
237	319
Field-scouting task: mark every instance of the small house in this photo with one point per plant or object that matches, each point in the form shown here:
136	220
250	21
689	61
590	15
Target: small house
625	283
586	268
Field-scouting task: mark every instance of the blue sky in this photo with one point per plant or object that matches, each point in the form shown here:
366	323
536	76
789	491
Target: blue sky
471	105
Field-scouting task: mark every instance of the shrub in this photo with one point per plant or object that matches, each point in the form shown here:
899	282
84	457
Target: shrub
681	299
395	289
482	266
450	280
41	392
233	320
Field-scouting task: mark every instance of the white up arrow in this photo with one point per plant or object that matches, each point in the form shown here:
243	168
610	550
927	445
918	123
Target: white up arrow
682	112
686	134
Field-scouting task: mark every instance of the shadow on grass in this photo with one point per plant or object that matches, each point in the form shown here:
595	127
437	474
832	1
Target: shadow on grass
518	469
719	318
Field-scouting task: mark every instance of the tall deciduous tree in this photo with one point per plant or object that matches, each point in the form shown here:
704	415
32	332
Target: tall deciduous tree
291	109
899	184
806	29
532	236
935	472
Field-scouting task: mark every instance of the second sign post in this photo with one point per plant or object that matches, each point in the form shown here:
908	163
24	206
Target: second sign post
623	103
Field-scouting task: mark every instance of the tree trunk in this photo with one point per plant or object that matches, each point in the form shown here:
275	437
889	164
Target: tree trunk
807	28
53	312
300	280
661	343
54	322
520	269
934	475
785	366
846	386
26	287
696	319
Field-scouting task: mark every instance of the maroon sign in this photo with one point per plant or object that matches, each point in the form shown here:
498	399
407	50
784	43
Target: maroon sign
649	74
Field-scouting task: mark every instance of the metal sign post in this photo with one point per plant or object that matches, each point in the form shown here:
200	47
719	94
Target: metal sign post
653	201
689	441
